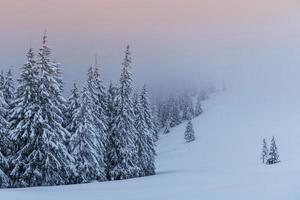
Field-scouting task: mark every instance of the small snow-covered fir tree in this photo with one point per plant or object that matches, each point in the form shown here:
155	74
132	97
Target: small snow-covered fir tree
189	134
144	142
273	153
167	127
87	150
198	109
265	151
124	153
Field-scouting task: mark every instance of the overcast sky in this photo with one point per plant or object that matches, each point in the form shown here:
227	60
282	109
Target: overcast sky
240	41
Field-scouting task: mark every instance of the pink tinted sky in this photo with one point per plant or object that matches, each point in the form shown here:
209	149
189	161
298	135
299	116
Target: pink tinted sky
204	34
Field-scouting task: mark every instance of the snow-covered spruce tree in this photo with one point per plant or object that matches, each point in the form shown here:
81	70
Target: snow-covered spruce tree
41	157
8	88
87	150
147	113
273	153
265	151
189	134
144	142
167	127
198	108
5	144
188	110
98	96
72	105
100	92
111	116
124	152
59	99
23	123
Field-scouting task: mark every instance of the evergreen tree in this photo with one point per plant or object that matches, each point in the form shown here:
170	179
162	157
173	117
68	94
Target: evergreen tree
98	96
189	134
144	142
198	109
8	88
265	151
100	92
273	153
5	144
41	157
85	147
147	113
111	116
167	127
123	155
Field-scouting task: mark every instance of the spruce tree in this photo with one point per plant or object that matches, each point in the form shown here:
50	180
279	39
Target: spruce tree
148	113
100	92
144	142
198	109
123	155
98	96
5	144
41	157
265	151
87	150
111	116
189	134
273	153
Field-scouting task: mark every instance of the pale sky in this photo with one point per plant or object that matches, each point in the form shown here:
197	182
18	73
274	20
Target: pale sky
170	39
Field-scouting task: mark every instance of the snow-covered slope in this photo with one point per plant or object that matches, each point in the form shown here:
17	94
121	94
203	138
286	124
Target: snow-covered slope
223	162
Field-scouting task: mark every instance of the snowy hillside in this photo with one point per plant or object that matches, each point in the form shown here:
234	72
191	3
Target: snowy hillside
223	162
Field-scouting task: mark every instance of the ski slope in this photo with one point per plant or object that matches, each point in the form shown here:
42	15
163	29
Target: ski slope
223	162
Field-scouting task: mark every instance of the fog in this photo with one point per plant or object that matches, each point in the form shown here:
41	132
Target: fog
249	44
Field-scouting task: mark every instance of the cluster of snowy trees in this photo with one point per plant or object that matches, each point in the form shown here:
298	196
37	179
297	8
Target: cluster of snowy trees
270	156
97	134
175	110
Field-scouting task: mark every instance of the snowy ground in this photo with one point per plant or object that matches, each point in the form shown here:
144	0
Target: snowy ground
223	163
